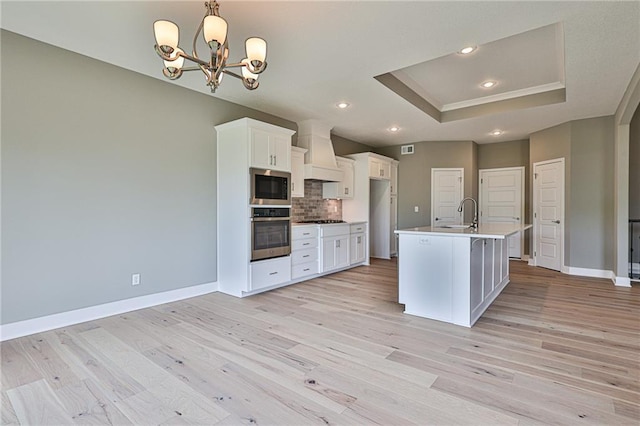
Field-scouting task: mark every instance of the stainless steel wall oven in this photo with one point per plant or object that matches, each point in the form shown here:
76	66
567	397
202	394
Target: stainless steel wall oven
270	232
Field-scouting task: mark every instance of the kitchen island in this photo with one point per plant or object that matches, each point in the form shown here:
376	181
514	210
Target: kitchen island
453	274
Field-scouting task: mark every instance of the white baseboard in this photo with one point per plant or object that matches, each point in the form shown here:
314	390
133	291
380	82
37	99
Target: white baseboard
531	262
64	319
587	272
621	281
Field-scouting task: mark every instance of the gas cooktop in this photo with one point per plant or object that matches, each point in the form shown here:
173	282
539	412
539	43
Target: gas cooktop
322	221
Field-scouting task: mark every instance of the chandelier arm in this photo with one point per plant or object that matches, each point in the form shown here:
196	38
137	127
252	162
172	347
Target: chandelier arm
232	74
194	50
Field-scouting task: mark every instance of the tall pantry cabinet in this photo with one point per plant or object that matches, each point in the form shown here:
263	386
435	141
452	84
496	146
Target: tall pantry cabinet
373	201
242	144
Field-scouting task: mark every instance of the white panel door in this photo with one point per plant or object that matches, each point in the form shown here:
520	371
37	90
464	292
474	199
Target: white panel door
502	201
548	213
446	194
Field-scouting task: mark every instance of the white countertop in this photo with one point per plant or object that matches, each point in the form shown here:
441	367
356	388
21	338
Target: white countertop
491	230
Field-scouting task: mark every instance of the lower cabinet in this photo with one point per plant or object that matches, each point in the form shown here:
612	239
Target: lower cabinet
304	251
335	247
270	272
357	243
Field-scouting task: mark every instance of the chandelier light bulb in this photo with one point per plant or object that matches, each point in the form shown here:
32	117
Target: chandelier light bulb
214	29
167	35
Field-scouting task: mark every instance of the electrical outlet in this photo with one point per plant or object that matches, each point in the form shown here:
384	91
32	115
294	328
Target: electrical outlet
416	209
135	279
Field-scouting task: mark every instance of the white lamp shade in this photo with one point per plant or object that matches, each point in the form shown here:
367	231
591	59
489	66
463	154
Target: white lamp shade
176	63
166	33
256	49
215	28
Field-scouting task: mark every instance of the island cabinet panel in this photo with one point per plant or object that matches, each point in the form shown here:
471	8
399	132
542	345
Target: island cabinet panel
488	269
432	266
477	264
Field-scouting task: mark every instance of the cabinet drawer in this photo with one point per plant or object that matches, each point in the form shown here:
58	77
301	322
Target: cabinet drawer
358	227
266	273
334	230
304	256
300	232
304	269
304	244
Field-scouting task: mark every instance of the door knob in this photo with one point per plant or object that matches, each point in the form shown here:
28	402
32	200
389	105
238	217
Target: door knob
515	218
556	221
437	218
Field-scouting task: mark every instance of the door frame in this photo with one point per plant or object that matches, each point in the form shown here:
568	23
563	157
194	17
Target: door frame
522	198
533	260
445	169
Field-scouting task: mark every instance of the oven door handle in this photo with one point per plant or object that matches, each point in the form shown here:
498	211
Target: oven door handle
270	219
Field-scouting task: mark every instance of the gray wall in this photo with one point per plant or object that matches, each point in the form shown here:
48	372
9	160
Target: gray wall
588	148
105	173
414	176
510	154
343	146
592	194
634	181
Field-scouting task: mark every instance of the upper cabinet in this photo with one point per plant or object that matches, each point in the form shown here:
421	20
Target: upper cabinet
270	150
394	177
379	167
297	171
344	188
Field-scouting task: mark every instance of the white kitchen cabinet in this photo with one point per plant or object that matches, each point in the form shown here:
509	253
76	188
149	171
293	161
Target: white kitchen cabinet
344	188
372	202
270	272
237	142
335	247
297	171
357	243
394	225
394	177
379	167
270	150
304	251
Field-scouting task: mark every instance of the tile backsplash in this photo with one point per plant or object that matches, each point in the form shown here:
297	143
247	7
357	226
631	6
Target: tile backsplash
312	206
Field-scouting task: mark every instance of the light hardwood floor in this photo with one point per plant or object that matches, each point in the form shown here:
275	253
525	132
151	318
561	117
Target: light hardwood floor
552	349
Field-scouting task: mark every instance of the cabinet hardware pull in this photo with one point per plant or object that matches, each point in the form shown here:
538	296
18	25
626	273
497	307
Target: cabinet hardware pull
306	255
556	221
306	269
273	273
306	233
305	244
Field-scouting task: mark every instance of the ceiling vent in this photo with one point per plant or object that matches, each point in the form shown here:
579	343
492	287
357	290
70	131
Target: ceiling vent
406	149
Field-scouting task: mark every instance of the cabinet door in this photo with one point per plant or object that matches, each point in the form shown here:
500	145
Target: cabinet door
394	225
385	170
342	251
374	168
347	181
328	254
394	179
297	174
260	152
356	248
280	150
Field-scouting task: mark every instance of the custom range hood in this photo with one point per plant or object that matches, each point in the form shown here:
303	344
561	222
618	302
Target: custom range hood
319	160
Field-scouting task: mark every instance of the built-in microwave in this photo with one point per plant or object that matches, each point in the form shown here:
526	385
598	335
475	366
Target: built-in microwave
270	187
270	232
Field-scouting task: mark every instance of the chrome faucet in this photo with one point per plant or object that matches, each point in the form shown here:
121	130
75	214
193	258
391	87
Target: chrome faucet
474	224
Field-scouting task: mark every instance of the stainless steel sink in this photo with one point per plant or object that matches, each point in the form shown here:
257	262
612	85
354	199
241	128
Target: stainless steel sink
456	226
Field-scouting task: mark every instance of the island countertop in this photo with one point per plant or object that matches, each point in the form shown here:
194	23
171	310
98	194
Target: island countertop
487	230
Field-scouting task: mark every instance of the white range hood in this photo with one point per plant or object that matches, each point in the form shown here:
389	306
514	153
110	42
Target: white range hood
319	160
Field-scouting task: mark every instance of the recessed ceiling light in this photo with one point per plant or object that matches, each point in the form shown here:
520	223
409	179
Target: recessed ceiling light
393	129
496	132
342	105
488	84
467	50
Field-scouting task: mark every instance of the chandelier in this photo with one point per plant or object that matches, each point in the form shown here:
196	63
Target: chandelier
214	31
